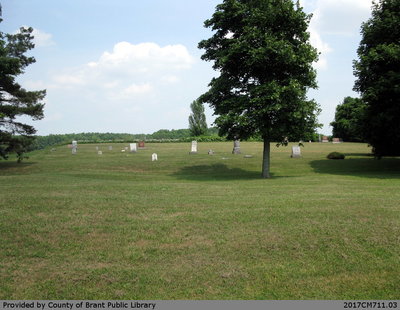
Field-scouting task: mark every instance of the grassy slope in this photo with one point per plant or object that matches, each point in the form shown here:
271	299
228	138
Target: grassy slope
119	226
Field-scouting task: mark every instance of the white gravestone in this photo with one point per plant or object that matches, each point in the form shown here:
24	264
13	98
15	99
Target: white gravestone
194	148
99	152
236	147
133	147
110	148
74	147
154	157
296	152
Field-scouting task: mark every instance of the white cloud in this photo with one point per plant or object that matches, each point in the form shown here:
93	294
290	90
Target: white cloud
69	80
129	69
137	89
42	39
143	79
170	79
322	47
334	17
145	57
341	17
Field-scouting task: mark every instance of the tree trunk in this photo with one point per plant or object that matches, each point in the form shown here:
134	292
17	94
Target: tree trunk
266	156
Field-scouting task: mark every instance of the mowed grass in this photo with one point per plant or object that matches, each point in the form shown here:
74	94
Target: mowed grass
119	226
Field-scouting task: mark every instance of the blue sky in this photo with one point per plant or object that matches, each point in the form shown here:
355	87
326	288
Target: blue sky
134	66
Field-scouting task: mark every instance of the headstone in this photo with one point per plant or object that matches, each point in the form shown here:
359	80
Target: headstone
296	152
122	150
325	139
210	152
110	148
335	140
154	157
97	148
70	146
133	147
248	156
74	147
126	148
141	145
236	147
194	148
99	152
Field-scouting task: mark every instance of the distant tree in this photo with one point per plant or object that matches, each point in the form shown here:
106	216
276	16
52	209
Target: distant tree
213	131
378	77
170	134
197	120
349	118
261	50
15	101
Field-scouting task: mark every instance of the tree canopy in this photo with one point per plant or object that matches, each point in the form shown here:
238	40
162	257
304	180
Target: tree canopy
349	118
15	101
378	77
262	52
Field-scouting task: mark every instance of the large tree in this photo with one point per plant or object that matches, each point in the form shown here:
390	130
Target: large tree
197	120
378	77
15	101
261	50
349	120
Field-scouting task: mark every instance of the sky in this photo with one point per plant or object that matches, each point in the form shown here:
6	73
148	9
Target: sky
130	66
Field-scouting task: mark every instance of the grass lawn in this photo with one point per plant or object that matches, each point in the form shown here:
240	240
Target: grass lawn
119	226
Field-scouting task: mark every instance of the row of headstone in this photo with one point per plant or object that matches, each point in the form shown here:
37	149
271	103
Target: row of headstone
296	152
236	148
325	139
133	147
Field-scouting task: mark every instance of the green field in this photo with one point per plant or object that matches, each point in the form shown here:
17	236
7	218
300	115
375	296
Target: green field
119	226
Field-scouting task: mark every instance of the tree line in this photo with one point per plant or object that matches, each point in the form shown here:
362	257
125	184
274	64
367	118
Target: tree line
375	116
162	135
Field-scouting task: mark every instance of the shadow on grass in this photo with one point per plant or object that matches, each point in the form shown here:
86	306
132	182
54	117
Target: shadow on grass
359	154
216	172
13	165
367	166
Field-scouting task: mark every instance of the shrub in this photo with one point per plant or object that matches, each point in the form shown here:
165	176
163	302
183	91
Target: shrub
335	155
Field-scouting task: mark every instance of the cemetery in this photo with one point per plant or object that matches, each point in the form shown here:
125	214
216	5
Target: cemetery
229	212
160	223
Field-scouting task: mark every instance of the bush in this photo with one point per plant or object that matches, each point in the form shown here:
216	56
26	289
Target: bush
335	155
